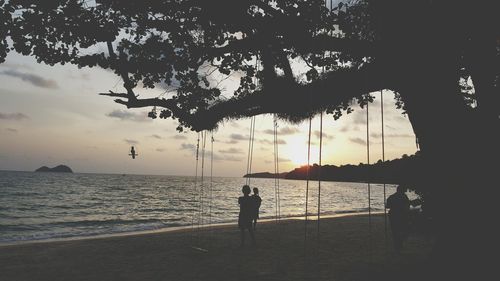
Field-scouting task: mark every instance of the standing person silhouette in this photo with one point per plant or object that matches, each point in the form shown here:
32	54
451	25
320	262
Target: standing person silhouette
256	204
246	214
399	210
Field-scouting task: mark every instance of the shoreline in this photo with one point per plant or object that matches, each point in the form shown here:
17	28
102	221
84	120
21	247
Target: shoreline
345	248
179	229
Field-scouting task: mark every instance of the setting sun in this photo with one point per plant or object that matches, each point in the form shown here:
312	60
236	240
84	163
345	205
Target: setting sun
296	151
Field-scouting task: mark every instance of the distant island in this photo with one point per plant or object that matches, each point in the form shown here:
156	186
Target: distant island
57	169
266	175
399	170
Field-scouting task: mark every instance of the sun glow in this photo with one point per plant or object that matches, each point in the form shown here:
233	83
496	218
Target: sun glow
296	151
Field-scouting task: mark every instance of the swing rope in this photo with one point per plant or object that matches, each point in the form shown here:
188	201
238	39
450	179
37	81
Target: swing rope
195	181
252	131
276	170
307	183
277	173
202	189
369	186
211	179
250	150
319	172
383	160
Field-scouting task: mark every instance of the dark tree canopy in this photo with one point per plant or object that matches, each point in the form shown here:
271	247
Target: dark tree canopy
322	58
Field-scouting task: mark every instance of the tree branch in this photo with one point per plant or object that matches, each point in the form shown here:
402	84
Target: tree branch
335	89
127	84
315	44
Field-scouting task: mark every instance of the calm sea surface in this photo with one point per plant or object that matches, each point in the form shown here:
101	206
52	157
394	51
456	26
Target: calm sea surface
37	206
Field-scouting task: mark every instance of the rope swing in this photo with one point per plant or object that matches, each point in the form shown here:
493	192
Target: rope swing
319	172
276	171
211	178
250	150
195	186
383	160
202	188
195	192
252	132
307	183
369	186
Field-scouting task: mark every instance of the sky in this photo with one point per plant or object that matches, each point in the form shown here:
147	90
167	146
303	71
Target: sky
51	115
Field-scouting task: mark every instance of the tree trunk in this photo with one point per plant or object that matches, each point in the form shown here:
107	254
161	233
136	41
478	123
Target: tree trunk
460	150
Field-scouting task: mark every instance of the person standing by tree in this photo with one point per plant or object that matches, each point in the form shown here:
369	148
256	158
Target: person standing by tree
246	214
399	209
256	204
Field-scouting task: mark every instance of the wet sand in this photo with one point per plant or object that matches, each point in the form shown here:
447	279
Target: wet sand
343	252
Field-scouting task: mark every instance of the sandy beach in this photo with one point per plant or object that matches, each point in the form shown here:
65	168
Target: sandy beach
344	252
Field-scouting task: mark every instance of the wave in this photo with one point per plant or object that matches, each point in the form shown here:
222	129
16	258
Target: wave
79	229
35	206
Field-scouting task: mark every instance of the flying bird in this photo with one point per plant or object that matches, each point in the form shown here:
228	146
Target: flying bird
132	153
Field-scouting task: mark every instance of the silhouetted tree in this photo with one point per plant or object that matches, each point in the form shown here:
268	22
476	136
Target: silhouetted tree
296	58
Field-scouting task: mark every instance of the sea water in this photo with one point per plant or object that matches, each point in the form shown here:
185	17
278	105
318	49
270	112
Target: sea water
37	206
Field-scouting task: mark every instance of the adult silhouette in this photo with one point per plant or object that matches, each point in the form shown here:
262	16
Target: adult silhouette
246	214
399	210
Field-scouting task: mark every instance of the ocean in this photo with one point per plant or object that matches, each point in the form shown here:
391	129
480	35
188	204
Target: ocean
39	206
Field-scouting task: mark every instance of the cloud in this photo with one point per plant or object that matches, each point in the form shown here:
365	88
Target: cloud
348	128
12	130
131	142
33	79
231	150
344	129
160	149
269	142
15	66
283	131
128	115
188	146
400	118
359	117
325	135
156	136
179	137
288	131
390	127
377	135
13	116
231	159
208	154
358	141
238	137
280	160
80	76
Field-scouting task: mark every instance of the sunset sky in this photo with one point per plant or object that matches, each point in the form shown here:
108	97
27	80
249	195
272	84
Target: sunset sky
53	115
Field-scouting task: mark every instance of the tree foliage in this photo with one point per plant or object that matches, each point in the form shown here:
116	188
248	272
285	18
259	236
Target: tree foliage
185	43
322	58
